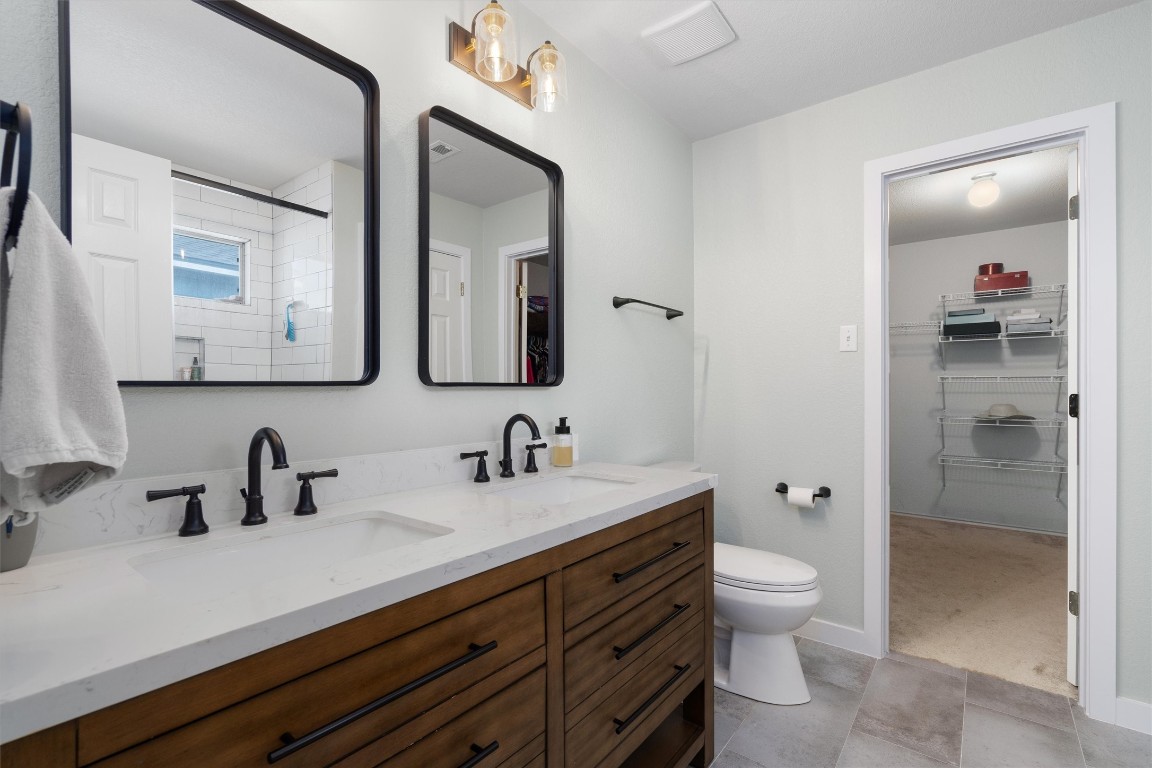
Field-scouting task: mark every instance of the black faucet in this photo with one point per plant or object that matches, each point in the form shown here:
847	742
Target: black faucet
506	461
253	501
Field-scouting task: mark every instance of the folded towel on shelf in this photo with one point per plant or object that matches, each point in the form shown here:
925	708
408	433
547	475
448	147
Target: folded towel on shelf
965	312
1017	316
1027	327
971	329
1027	320
969	319
60	409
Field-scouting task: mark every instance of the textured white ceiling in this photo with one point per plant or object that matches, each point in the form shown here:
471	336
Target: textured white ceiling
479	174
791	54
175	80
1033	190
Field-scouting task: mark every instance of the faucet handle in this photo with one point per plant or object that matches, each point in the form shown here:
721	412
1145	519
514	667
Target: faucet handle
305	505
481	465
193	524
530	464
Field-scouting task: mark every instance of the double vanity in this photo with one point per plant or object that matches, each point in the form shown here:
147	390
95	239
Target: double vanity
557	620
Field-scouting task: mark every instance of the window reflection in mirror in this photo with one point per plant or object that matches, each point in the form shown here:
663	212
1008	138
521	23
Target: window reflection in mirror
218	197
491	259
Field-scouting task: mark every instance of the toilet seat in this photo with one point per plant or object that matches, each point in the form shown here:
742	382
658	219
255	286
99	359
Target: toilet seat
761	571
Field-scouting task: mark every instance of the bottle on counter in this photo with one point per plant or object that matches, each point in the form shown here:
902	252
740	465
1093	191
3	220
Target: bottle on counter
562	444
197	370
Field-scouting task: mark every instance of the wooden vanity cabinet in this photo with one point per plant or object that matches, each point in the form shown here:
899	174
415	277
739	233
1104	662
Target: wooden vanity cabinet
597	652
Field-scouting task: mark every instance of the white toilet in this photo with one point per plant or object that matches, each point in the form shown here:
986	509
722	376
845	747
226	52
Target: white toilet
761	598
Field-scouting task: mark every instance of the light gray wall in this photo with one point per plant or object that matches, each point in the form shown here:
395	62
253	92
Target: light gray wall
918	274
628	385
29	76
779	238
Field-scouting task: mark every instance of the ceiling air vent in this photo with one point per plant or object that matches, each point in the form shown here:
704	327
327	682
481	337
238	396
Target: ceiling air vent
689	35
441	150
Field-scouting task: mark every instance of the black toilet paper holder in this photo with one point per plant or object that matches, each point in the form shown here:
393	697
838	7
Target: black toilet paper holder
823	492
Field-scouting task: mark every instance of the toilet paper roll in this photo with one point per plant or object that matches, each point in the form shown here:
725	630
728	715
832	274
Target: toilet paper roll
801	497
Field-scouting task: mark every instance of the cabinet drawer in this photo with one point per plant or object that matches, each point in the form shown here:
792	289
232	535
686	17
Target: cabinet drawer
616	646
609	576
490	734
338	708
621	718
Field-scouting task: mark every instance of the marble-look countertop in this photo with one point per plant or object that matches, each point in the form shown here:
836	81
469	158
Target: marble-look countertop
83	630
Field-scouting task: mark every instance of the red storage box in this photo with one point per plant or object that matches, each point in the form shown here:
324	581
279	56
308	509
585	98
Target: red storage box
1000	281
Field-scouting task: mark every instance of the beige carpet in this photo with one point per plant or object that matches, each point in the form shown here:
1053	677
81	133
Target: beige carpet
984	599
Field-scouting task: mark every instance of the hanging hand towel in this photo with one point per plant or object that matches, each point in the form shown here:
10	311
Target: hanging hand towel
61	417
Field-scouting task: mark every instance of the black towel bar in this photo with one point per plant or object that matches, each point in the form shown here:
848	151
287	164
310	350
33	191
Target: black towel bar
671	313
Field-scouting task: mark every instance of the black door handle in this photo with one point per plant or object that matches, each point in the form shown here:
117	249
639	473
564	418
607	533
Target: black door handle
292	745
481	753
622	724
622	652
676	547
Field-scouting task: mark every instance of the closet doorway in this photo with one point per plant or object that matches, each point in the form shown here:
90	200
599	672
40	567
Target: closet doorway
1091	482
982	350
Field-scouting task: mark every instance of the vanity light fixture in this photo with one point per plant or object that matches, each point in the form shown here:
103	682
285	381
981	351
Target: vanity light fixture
488	53
985	190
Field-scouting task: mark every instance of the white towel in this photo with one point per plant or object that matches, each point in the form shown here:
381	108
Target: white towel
61	416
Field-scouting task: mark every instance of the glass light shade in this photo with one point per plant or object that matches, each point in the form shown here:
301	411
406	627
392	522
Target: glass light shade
549	78
495	36
984	192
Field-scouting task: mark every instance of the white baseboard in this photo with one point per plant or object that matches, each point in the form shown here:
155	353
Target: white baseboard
1133	714
848	638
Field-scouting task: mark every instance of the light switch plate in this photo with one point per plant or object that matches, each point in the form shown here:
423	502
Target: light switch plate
848	338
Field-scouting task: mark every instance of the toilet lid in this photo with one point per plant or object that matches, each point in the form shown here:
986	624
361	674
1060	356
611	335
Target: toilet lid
756	569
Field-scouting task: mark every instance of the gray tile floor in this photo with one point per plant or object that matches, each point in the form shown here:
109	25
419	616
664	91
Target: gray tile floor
902	712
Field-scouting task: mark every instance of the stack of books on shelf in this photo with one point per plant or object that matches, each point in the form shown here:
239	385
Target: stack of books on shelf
970	322
1027	321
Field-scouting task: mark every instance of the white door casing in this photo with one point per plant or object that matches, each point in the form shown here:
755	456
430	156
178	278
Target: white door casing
1096	371
508	315
122	233
1072	450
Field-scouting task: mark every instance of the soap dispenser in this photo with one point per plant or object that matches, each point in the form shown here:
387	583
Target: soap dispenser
562	444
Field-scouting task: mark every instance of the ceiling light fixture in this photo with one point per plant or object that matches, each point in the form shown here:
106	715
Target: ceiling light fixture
985	190
488	53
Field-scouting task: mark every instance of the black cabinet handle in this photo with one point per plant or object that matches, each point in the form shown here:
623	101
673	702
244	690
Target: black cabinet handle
676	547
622	724
622	652
292	745
481	753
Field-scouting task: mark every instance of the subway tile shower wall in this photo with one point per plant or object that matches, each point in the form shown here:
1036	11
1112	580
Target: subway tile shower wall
234	339
290	260
302	272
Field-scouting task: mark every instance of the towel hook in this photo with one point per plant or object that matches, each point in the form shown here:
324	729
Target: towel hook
16	120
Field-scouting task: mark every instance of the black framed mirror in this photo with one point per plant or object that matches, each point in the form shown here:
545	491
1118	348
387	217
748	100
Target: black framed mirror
491	258
221	185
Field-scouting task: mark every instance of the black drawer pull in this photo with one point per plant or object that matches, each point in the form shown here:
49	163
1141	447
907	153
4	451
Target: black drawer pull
481	753
622	724
676	547
622	652
292	745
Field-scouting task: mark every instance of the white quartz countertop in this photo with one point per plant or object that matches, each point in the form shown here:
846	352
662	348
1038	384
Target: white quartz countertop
83	630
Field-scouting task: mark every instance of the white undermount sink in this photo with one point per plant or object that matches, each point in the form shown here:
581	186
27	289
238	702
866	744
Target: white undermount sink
258	557
562	490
